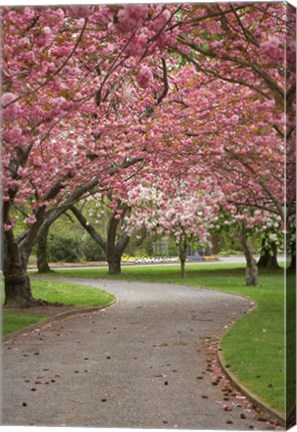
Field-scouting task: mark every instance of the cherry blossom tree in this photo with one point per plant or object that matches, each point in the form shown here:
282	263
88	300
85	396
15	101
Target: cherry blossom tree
63	75
180	209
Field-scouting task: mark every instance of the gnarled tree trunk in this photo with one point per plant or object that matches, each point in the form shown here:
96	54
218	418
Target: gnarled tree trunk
251	272
16	280
115	246
42	262
113	261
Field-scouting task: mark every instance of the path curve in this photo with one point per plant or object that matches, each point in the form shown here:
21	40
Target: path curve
145	362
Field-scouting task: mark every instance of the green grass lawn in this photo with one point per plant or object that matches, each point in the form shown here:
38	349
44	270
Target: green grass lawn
13	321
254	346
61	292
291	339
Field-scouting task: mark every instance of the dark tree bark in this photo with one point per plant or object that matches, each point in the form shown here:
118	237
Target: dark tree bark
113	261
15	259
42	262
115	247
268	258
16	280
182	248
251	272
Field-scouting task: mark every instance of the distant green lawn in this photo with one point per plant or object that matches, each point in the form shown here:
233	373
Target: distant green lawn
61	292
254	346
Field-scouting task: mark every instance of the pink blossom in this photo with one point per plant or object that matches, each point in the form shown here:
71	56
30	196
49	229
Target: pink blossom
63	51
13	135
7	227
37	161
161	21
48	35
7	98
45	38
144	77
11	109
91	49
20	201
271	49
77	12
234	118
137	46
131	17
24	42
30	220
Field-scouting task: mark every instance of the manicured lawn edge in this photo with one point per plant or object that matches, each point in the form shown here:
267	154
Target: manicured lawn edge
71	296
54	318
237	383
233	378
244	390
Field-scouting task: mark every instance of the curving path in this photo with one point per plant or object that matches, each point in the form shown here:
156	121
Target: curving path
146	362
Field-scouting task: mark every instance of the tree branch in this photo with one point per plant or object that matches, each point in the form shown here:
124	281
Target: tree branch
89	228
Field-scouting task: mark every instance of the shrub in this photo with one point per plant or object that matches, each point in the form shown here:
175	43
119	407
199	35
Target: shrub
141	253
91	250
64	249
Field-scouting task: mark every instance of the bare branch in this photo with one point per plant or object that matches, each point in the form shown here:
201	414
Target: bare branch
165	82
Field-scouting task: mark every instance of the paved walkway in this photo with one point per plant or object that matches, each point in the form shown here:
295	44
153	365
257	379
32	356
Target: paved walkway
149	361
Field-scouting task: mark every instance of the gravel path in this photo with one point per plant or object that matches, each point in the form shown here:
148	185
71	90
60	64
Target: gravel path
148	361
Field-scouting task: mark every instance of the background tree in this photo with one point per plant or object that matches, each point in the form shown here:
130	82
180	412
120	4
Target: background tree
115	241
176	209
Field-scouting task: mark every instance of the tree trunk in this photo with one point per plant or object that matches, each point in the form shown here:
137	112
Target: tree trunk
112	255
18	291
183	268
268	260
16	280
114	264
251	272
42	262
215	243
182	246
115	245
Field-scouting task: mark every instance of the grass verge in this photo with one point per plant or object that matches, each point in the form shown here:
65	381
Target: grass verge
53	291
254	346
